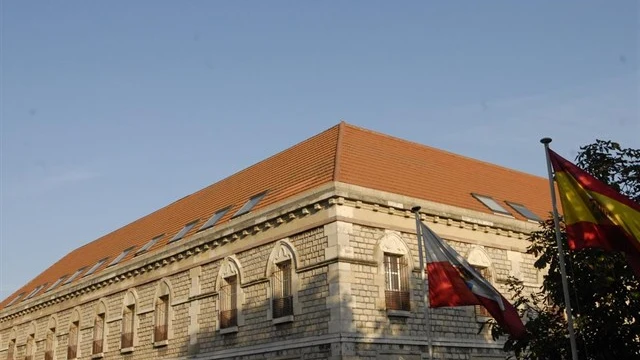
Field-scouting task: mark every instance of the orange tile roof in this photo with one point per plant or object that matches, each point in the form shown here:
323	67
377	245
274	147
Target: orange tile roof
344	153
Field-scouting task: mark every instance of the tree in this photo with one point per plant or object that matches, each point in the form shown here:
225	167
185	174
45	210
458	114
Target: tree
604	293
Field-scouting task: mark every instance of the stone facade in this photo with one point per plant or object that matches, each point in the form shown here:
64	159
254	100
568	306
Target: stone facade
334	237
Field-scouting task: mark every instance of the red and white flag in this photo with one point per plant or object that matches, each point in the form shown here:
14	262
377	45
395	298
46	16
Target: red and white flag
453	282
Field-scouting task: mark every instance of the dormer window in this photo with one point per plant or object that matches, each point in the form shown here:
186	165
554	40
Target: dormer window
524	211
95	267
490	203
184	231
121	256
148	245
215	218
74	276
250	204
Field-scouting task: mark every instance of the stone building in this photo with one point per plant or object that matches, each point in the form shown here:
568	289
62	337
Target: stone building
308	254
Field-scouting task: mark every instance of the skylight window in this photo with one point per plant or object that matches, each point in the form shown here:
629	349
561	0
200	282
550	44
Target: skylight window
121	256
184	231
250	204
53	286
524	211
215	218
34	292
148	245
491	204
95	267
15	299
74	276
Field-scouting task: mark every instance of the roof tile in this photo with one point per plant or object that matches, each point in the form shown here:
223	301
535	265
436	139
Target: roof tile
343	153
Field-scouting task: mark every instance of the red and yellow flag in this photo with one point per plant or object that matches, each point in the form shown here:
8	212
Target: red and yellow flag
596	215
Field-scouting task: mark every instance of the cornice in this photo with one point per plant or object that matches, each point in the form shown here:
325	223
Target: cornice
312	202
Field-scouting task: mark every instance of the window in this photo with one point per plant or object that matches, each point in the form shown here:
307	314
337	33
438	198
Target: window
56	283
250	204
491	204
283	291
98	334
148	245
215	218
15	299
524	211
34	292
121	256
229	303
397	296
74	276
72	346
29	350
128	326
184	231
11	349
485	272
282	301
95	267
162	319
49	344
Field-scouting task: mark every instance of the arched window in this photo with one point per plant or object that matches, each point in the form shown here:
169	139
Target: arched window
31	342
394	274
99	329
481	262
11	349
128	322
162	314
74	334
49	345
230	297
281	271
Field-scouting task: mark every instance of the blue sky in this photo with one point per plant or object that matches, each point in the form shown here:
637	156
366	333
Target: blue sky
110	110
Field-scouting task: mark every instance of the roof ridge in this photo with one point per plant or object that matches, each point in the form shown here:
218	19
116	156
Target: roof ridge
336	163
415	143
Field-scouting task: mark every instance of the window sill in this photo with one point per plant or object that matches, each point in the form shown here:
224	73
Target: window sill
399	313
229	330
282	320
126	350
97	356
160	343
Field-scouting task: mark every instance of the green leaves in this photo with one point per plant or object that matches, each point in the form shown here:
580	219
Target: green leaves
604	293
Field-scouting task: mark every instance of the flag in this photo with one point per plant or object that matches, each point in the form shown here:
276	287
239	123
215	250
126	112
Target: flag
596	215
453	282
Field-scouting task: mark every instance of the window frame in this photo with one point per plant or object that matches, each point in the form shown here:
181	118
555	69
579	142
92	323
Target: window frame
397	289
488	201
283	252
74	334
250	204
215	218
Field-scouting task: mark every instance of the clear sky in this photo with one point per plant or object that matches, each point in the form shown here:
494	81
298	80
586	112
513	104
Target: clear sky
113	109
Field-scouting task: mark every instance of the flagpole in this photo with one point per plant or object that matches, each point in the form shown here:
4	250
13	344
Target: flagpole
425	290
563	272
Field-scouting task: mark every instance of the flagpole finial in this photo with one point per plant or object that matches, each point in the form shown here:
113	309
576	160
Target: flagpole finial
415	208
545	140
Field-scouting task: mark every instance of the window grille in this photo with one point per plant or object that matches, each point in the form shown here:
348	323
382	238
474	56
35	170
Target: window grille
126	338
480	310
98	334
48	346
282	299
397	296
162	319
229	303
72	347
